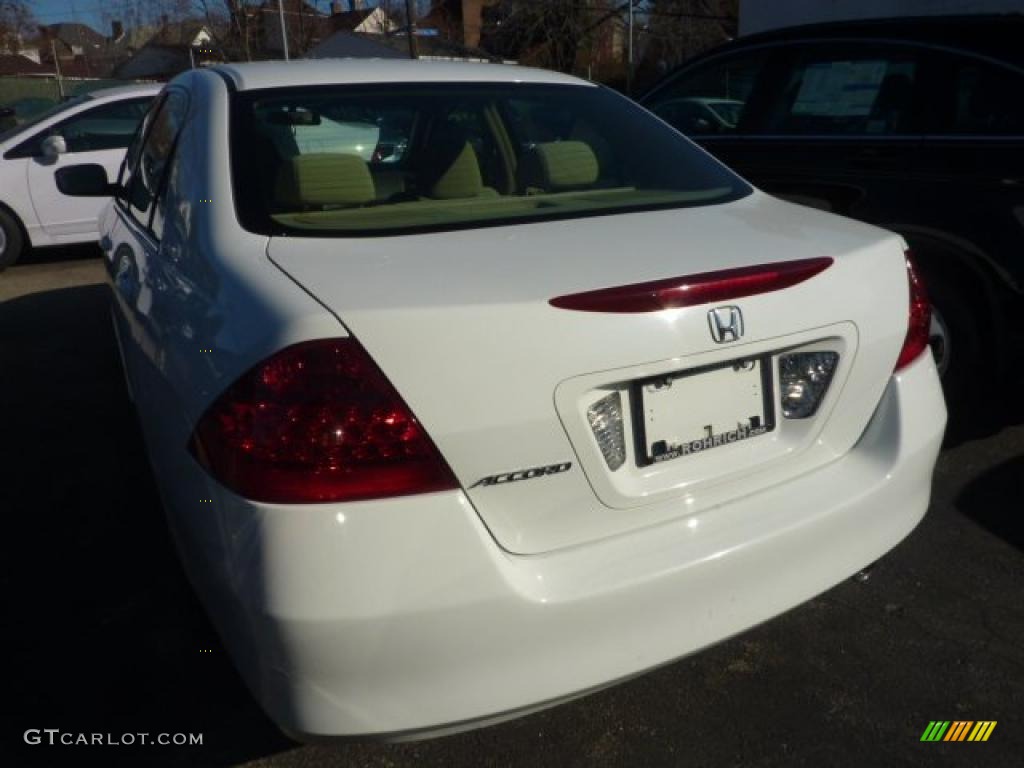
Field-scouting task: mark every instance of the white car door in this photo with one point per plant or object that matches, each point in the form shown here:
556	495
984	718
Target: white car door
97	135
140	253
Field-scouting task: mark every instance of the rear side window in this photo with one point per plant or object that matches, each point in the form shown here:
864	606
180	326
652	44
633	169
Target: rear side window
711	98
108	126
392	159
34	120
843	93
148	168
131	157
986	100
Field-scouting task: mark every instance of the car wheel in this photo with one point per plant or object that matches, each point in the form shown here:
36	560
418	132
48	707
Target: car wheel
11	240
956	347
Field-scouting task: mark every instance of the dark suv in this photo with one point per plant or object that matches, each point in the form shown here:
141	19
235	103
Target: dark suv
916	125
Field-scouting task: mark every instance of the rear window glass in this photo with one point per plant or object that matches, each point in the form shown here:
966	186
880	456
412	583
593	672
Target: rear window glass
380	160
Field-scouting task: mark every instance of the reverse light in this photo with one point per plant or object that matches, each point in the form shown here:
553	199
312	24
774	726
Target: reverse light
803	381
605	418
702	288
920	318
317	422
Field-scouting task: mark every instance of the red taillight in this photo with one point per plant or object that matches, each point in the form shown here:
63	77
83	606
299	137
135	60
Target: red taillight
703	288
919	325
317	422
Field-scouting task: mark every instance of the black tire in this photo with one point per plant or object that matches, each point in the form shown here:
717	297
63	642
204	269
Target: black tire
11	240
960	353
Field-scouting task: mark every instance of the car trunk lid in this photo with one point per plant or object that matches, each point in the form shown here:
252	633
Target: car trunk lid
463	324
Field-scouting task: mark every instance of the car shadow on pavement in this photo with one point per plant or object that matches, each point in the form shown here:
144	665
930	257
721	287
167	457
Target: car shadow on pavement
57	255
994	501
103	633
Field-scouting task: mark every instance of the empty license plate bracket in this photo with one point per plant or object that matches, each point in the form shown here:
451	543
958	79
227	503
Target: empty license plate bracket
688	412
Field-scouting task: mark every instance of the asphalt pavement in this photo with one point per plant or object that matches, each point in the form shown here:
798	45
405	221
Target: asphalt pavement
103	635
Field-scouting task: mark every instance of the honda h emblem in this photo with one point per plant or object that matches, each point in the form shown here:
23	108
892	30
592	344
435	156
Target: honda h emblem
726	324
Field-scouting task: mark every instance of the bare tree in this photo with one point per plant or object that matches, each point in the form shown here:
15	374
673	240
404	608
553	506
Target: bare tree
675	30
244	29
144	13
16	24
234	24
548	32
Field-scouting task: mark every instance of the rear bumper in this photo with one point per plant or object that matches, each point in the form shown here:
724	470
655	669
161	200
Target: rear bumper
387	618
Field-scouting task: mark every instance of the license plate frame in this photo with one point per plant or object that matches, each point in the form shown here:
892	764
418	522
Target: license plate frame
643	448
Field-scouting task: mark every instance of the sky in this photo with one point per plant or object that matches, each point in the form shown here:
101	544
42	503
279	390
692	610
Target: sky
52	11
90	11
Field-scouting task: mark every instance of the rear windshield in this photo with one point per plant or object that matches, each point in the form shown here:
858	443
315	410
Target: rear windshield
390	160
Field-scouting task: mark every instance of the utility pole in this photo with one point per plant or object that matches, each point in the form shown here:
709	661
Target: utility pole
629	54
410	18
56	68
284	31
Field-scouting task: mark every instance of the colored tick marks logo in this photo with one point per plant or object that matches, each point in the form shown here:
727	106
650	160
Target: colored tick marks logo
958	730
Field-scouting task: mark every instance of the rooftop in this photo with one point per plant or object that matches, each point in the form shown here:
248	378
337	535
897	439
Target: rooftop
351	19
74	33
180	33
344	44
14	64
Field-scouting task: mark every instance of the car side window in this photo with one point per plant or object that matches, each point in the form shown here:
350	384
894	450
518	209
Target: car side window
848	93
169	195
108	126
985	100
131	157
396	130
154	154
712	97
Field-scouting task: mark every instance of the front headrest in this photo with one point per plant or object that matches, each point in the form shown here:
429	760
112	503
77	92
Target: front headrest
558	165
461	179
320	179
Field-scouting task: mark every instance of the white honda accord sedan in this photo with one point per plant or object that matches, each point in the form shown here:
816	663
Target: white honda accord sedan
472	388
